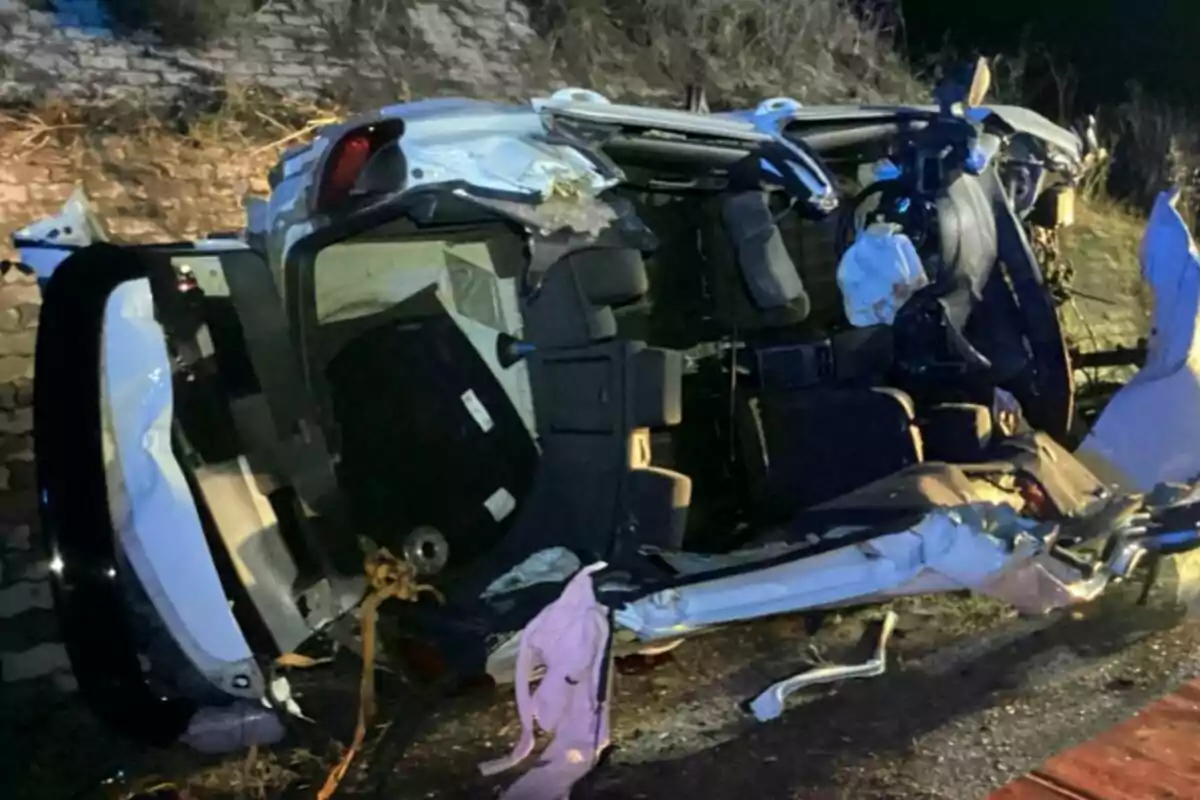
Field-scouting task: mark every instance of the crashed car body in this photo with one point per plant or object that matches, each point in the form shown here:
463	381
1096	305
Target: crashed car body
507	342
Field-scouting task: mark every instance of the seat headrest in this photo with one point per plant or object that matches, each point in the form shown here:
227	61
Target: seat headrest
610	276
766	266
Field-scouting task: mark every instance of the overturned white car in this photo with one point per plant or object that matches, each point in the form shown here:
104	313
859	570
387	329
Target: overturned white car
652	356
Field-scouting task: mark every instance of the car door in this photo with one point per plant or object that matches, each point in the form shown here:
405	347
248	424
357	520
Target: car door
187	505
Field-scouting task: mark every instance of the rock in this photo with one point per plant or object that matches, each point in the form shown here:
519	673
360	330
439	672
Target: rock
65	682
19	475
10	321
15	368
18	344
18	289
16	448
25	596
16	537
39	661
29	314
18	507
24	395
19	421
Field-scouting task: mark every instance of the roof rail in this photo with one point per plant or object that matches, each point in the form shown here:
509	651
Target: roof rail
575	94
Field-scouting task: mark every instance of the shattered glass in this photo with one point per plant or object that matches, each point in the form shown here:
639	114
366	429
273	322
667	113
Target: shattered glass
476	291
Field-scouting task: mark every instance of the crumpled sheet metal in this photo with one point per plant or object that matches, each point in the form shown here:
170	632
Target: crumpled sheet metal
507	164
546	186
552	565
580	215
46	243
494	154
983	548
1148	432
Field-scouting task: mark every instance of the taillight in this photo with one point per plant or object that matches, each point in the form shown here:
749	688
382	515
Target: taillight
350	157
346	166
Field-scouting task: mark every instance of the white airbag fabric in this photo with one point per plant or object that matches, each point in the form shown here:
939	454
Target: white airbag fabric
877	275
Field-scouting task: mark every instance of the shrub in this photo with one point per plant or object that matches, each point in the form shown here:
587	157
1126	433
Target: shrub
181	22
1155	145
815	50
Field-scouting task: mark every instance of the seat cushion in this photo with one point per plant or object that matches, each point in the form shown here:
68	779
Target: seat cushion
958	433
808	447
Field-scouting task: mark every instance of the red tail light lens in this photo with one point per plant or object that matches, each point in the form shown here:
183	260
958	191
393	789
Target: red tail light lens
345	165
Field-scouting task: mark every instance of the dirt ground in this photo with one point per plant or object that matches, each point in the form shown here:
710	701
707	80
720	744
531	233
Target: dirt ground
973	697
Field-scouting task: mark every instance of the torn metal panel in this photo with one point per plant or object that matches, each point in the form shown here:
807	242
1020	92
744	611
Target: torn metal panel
984	548
560	212
1148	431
800	120
233	728
46	243
483	149
509	164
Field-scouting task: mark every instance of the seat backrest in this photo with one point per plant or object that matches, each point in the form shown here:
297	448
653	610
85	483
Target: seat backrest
594	395
802	448
574	304
754	282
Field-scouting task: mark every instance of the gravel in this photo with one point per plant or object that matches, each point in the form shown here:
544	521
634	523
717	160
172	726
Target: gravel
973	697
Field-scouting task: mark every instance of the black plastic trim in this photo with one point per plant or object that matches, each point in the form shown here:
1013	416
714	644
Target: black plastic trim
76	521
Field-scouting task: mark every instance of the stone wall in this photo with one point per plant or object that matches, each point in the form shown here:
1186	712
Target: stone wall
304	48
27	627
370	51
154	179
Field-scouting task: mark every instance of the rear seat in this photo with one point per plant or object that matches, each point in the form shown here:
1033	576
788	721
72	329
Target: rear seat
754	282
803	448
596	398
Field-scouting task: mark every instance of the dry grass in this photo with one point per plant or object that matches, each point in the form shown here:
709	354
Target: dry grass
206	158
740	50
233	113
